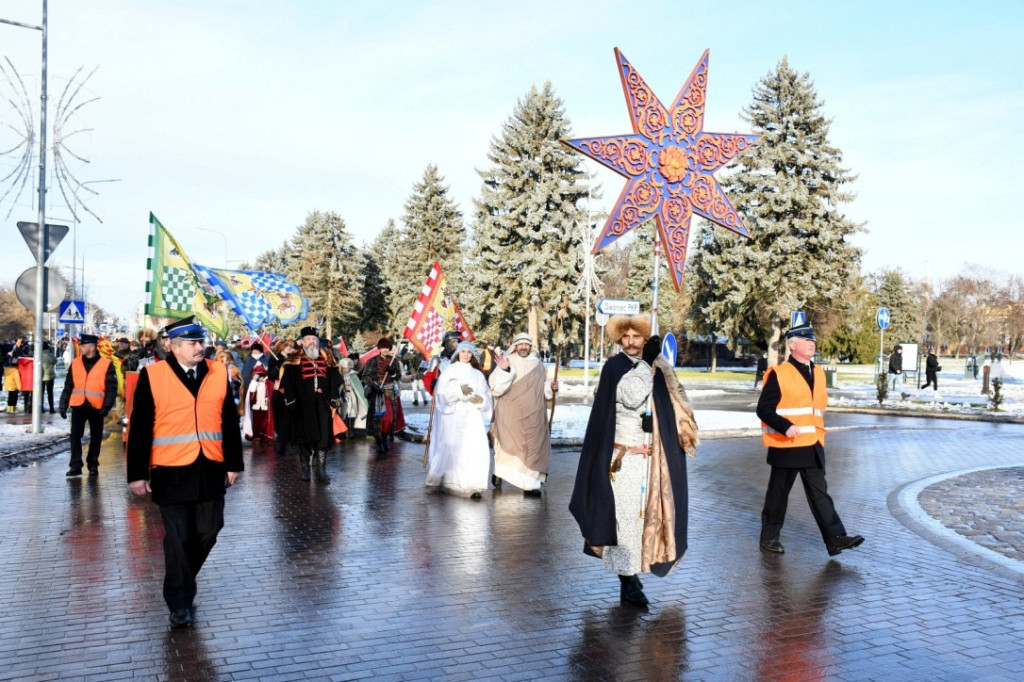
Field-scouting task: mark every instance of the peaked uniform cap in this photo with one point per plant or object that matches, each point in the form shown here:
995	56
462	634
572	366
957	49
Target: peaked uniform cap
187	329
801	331
89	338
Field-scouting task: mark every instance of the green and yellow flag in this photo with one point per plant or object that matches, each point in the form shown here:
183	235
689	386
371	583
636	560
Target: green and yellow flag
175	289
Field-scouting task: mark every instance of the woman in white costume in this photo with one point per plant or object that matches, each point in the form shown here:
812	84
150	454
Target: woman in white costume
460	458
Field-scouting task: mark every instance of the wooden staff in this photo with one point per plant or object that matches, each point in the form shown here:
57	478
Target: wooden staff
554	394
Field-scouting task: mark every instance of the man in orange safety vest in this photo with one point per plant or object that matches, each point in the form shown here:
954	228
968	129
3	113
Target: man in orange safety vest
89	391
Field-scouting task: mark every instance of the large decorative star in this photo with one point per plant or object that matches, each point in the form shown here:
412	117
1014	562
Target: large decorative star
670	162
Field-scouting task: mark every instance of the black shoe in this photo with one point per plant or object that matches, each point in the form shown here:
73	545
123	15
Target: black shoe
416	403
532	493
631	591
74	472
496	482
94	470
840	542
773	545
475	496
181	618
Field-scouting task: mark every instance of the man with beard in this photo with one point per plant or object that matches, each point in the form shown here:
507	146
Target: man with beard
185	448
630	496
310	386
380	380
522	442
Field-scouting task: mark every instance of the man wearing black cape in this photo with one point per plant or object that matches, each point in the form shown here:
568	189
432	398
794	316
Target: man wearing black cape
310	387
630	496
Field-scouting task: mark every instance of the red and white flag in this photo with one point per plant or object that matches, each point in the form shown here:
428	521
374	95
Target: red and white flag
435	313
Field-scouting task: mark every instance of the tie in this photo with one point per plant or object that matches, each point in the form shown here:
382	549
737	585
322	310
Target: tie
191	374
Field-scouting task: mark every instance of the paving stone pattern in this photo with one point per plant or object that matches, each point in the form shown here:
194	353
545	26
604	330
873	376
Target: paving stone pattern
371	577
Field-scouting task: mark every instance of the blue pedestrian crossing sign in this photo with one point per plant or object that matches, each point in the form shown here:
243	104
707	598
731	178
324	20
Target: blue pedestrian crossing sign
71	312
799	318
882	318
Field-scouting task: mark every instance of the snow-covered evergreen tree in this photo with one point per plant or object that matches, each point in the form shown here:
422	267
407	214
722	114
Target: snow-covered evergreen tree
789	189
892	290
434	231
384	251
526	252
375	315
327	269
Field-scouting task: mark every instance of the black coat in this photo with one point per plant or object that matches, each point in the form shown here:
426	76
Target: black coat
310	411
771	393
593	502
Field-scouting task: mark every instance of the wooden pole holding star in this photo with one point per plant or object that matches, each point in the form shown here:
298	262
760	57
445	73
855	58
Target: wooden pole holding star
669	162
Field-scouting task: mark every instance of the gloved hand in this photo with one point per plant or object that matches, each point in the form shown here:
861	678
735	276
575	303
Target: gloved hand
336	403
104	413
477	399
651	349
647	422
63	414
466	389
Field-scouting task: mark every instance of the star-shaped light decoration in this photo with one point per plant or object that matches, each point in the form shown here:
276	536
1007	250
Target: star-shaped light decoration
670	162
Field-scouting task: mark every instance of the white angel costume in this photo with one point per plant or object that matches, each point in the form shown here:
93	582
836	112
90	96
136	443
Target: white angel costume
460	458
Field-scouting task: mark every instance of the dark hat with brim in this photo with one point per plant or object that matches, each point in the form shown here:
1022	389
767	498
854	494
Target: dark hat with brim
187	329
801	331
90	338
308	331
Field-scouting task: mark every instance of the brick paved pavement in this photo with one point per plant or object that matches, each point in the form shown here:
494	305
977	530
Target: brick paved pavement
373	578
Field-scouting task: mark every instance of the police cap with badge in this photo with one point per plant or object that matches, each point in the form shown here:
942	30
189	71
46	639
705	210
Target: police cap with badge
187	329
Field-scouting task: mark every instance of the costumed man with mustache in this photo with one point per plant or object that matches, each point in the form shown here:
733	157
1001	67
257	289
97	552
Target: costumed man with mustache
311	386
630	496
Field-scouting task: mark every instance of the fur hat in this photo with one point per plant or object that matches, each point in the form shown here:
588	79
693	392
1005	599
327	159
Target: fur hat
620	324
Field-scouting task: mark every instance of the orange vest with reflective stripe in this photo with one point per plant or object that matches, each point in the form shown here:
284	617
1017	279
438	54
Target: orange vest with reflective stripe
798	405
89	386
183	425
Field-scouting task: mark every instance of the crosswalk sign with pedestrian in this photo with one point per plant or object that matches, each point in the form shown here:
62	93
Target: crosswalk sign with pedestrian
72	312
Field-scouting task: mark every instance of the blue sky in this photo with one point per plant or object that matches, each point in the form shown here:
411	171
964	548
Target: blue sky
241	116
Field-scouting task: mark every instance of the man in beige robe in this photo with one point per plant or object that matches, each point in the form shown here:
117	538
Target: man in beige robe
522	444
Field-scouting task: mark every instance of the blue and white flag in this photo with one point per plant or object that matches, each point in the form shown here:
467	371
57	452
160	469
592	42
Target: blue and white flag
257	297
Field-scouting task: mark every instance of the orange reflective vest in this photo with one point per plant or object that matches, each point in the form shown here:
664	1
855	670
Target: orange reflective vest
88	386
182	425
798	405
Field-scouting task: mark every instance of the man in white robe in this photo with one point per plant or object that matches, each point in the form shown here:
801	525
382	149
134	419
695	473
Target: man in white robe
522	442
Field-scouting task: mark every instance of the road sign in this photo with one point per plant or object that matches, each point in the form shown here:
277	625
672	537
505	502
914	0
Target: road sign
56	288
799	318
618	306
668	348
601	319
54	235
72	312
882	318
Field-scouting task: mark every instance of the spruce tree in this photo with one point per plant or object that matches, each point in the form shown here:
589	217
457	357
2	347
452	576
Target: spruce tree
671	303
384	251
527	242
324	264
892	290
374	309
789	189
434	231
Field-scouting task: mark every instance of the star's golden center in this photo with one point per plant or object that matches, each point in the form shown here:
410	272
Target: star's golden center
672	163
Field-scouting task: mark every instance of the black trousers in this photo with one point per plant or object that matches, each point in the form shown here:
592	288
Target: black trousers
80	416
776	501
48	390
933	380
190	532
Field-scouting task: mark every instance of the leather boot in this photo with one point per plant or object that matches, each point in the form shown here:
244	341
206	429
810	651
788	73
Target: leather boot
320	467
304	459
631	591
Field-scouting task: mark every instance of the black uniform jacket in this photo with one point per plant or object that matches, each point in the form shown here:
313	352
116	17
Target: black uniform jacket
593	503
203	479
771	393
109	386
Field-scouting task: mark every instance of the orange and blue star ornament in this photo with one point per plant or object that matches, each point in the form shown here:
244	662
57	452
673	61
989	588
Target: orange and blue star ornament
669	162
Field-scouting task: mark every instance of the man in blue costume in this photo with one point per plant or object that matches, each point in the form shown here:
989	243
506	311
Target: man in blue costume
630	496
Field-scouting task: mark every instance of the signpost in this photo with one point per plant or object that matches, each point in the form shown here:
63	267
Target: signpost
668	348
618	306
882	320
72	312
798	318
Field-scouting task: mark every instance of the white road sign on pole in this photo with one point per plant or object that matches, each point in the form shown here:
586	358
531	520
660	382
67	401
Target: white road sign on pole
618	306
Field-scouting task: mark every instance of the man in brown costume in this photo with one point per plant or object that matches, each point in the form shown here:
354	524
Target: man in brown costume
522	445
630	496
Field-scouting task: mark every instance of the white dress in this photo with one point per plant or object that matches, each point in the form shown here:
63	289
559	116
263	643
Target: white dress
460	458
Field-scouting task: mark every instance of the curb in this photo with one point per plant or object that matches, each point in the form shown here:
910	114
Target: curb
21	458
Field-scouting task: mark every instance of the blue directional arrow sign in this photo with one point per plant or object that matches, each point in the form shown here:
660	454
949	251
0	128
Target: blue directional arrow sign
668	348
882	318
72	312
799	318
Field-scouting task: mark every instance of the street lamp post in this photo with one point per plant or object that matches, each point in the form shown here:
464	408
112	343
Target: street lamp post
74	235
84	251
40	308
222	236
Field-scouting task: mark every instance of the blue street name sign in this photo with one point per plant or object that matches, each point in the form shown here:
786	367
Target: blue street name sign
668	348
882	318
618	306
